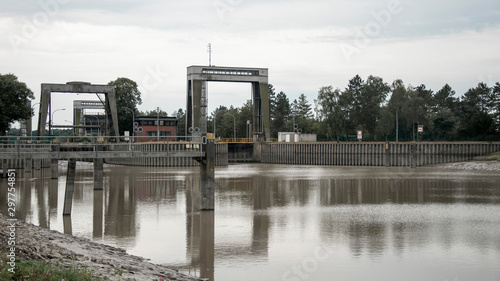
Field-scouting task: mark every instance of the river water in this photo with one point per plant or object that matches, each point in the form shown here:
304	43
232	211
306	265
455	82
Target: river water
284	222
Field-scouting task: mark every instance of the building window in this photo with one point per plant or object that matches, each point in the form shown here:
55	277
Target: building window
151	134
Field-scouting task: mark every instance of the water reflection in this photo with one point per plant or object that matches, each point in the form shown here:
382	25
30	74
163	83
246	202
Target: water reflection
273	217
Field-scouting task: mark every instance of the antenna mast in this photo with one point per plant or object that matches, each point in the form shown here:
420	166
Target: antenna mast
209	54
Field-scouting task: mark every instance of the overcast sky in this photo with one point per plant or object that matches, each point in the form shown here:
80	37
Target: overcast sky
304	44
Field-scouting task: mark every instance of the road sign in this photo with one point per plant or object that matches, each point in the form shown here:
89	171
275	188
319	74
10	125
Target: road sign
420	128
360	135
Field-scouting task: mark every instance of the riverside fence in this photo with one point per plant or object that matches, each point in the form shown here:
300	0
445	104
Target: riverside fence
371	153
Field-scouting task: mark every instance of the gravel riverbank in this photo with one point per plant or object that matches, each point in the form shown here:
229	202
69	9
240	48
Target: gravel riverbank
40	244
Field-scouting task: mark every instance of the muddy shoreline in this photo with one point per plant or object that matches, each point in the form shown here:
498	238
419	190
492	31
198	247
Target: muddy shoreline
39	244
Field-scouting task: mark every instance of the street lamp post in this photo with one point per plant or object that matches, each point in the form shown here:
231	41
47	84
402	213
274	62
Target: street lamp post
52	119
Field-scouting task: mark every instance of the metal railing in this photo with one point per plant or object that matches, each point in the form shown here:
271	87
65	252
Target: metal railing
96	139
99	147
242	140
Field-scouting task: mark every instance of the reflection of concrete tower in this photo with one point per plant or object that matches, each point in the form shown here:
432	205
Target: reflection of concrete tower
200	231
120	203
262	198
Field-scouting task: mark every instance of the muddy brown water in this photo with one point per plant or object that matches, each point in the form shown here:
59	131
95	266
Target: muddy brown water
285	222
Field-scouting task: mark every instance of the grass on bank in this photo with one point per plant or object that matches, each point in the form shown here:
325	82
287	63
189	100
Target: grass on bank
41	271
490	157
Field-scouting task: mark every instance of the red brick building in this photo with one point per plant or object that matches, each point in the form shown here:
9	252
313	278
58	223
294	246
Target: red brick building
152	128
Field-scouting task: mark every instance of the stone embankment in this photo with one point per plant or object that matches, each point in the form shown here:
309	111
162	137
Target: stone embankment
110	263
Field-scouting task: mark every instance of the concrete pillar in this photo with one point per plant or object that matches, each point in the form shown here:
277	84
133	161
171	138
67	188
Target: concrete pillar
68	229
97	221
98	173
207	177
98	169
70	187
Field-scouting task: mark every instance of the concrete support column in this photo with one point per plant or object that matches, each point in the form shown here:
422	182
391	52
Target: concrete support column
70	187
97	221
98	169
98	173
68	229
207	176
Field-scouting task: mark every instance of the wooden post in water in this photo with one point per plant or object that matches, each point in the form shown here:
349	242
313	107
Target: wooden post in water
207	176
98	169
70	187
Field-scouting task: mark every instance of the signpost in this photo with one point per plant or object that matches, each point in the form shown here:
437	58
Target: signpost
419	131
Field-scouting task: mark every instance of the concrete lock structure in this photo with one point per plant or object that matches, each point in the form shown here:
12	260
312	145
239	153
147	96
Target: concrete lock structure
196	104
80	88
78	116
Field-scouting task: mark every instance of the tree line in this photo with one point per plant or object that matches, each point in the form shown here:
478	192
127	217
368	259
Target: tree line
394	112
384	112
